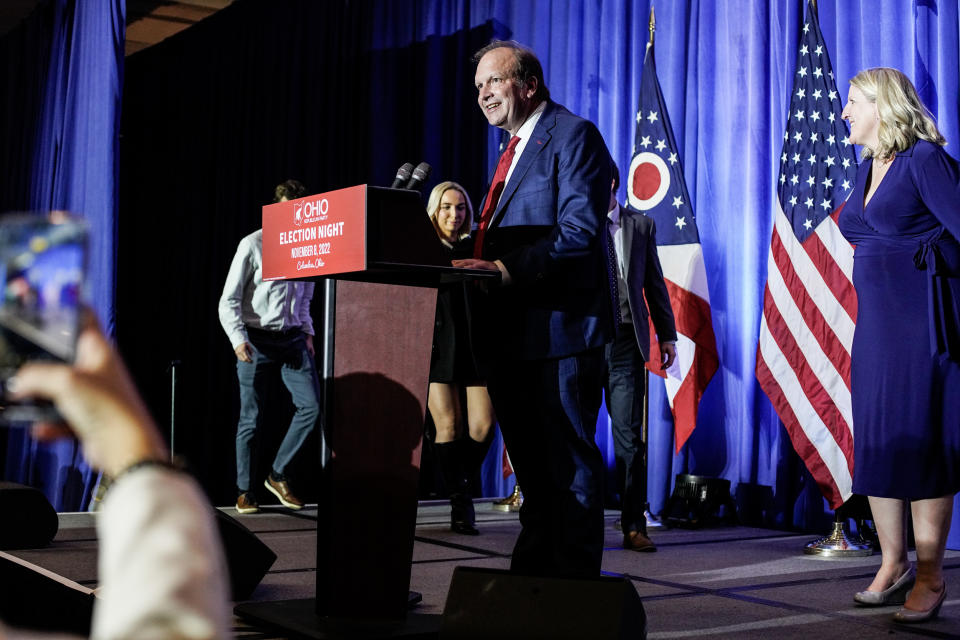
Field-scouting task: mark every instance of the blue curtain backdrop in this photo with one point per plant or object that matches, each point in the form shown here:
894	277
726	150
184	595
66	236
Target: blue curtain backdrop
726	69
71	54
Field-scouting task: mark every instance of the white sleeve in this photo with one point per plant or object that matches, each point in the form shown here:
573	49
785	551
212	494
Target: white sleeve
231	300
306	320
162	572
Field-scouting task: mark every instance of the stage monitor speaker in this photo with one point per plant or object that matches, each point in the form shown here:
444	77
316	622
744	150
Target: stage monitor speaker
490	603
33	598
248	558
30	521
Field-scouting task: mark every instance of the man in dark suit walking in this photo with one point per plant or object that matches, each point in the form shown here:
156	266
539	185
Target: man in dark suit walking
543	329
633	237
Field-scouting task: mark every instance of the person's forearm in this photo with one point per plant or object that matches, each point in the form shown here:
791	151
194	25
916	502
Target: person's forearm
162	574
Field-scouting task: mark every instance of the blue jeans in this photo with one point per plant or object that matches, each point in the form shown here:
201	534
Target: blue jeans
299	375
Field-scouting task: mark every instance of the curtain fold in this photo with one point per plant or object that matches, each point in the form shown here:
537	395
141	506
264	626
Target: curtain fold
60	126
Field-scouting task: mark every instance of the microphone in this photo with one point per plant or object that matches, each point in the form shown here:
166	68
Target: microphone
420	174
403	174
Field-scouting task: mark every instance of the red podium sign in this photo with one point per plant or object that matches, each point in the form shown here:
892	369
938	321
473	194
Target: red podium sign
318	235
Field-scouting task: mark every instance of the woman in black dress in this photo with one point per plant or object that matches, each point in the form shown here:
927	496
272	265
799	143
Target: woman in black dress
452	368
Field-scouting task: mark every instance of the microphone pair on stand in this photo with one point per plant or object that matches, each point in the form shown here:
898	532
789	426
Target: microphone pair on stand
410	178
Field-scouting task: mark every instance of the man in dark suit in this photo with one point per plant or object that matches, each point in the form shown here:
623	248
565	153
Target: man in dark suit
543	329
633	237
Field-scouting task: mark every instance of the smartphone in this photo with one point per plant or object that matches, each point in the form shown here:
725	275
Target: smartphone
42	266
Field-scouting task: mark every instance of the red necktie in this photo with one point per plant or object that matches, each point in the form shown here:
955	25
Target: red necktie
493	196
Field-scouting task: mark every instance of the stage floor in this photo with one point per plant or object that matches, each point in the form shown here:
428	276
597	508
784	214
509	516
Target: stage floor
722	582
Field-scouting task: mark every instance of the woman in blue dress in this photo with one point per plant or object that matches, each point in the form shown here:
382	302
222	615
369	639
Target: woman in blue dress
903	217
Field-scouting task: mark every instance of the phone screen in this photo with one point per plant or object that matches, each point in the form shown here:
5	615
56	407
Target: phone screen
42	262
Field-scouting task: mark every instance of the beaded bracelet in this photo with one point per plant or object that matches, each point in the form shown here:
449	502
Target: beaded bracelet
172	465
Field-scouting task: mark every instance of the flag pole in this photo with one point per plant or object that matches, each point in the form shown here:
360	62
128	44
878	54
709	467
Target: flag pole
652	520
652	26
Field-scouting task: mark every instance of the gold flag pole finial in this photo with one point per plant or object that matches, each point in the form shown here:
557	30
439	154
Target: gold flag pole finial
813	5
653	24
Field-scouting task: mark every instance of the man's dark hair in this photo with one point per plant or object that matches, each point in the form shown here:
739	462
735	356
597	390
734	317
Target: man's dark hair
615	170
291	190
527	64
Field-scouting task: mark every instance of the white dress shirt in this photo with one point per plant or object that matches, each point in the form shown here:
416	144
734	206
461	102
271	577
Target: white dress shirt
524	133
248	301
616	234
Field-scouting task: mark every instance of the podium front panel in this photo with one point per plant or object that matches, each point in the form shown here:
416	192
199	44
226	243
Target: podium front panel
367	518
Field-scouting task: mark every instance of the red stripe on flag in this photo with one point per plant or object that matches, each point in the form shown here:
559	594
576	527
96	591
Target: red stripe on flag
692	315
818	325
837	281
818	397
802	445
694	321
687	401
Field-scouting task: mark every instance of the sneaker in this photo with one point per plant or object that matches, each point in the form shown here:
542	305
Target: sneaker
278	486
247	503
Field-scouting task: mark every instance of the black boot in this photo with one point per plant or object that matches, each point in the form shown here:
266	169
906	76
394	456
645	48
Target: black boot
476	453
451	457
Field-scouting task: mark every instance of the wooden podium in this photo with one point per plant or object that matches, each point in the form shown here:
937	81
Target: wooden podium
381	263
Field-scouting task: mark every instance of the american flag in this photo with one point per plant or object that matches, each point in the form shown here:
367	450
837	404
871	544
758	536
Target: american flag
655	187
809	305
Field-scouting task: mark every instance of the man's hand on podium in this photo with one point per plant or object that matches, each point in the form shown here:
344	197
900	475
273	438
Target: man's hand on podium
486	265
473	263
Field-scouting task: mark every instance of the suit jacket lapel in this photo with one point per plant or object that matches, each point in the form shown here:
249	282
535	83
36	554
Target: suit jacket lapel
626	224
535	146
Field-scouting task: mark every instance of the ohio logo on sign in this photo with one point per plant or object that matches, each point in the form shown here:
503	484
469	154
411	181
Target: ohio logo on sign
306	212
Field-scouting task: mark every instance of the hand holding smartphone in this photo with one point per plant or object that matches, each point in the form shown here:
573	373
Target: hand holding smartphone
42	266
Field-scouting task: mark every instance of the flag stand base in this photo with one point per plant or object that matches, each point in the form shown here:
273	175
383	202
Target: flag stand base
839	544
512	502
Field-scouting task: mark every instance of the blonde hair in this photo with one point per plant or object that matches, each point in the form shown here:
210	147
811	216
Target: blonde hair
903	118
433	207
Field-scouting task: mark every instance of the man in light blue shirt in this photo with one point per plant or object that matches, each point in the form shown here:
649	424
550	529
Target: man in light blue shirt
269	323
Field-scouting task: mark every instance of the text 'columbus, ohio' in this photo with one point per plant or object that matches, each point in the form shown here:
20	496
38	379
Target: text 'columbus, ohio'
306	234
